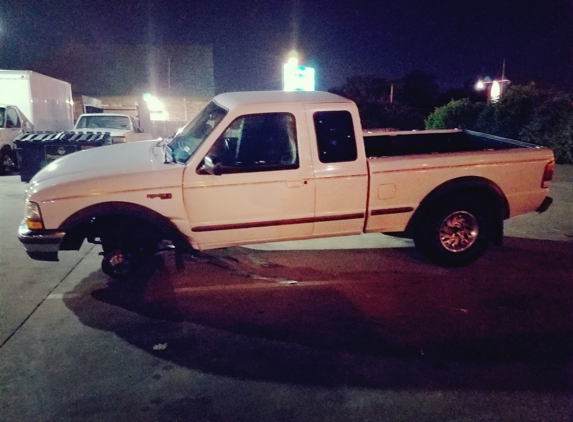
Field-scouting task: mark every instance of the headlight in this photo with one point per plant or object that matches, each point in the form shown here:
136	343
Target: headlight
117	139
33	216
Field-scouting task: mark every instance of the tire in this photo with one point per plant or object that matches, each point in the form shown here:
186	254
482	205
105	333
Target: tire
456	231
7	161
120	264
126	242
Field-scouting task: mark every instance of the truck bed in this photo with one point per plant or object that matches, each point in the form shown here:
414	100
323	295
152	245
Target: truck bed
391	144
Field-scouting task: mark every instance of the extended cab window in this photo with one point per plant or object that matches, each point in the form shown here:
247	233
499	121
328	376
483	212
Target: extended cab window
256	142
335	136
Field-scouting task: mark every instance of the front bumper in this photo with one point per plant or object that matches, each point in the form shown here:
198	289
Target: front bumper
41	245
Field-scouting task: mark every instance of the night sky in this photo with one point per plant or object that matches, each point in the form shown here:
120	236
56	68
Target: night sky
455	40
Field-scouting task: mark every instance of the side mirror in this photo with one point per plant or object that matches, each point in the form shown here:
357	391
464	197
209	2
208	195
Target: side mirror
211	165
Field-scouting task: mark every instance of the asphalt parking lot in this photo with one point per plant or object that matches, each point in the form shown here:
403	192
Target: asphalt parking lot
359	328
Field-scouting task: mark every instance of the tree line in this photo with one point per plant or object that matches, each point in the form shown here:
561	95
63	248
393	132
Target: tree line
524	112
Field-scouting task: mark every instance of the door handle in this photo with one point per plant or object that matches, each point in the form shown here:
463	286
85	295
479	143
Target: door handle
296	183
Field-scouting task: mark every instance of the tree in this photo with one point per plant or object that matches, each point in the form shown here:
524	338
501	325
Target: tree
364	89
552	125
462	114
384	114
372	96
512	112
524	113
420	91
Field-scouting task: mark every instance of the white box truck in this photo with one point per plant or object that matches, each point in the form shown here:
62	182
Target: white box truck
30	101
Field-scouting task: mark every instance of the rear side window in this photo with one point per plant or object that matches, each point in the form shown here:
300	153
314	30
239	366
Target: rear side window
335	136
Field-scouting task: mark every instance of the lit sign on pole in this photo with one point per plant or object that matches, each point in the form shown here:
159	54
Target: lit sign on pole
297	78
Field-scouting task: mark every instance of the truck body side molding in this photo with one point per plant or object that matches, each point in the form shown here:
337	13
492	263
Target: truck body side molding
392	211
277	222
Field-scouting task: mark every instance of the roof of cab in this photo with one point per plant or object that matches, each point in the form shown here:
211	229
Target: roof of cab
233	99
103	114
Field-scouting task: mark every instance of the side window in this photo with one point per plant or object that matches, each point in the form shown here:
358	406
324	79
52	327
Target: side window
135	125
335	136
12	119
256	142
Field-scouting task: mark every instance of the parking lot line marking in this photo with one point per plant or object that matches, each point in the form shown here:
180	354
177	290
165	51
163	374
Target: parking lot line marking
251	286
60	295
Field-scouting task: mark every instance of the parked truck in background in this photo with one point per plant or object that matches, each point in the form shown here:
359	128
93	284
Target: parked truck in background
121	127
12	124
270	166
30	101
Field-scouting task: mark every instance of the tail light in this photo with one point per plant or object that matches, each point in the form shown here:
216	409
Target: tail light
548	174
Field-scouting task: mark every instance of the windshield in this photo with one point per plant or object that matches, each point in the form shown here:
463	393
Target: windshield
186	142
104	122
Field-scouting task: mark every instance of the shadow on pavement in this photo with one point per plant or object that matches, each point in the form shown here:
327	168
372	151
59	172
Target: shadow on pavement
375	318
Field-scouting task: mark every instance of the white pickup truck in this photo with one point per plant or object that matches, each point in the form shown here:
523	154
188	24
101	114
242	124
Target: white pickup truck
269	166
121	127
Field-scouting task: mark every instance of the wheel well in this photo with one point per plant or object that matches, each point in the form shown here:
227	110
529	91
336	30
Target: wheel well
106	218
6	149
480	187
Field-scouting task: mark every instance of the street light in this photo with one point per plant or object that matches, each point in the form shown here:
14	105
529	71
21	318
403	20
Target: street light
156	107
481	84
496	86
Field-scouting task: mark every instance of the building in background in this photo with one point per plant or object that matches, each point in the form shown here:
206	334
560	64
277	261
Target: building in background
180	79
116	70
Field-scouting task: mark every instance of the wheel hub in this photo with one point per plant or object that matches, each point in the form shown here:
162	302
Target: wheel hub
459	231
119	264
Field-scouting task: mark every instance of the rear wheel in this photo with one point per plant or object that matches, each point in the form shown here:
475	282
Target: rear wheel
456	232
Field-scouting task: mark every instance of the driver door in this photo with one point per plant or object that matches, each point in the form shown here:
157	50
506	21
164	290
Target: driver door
252	185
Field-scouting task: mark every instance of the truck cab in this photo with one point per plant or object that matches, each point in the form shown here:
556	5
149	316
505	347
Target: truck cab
12	124
301	182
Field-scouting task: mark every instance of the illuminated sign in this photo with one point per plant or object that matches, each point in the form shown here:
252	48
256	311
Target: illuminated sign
297	78
495	92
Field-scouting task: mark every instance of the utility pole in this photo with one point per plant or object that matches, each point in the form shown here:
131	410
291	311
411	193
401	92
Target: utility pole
169	76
